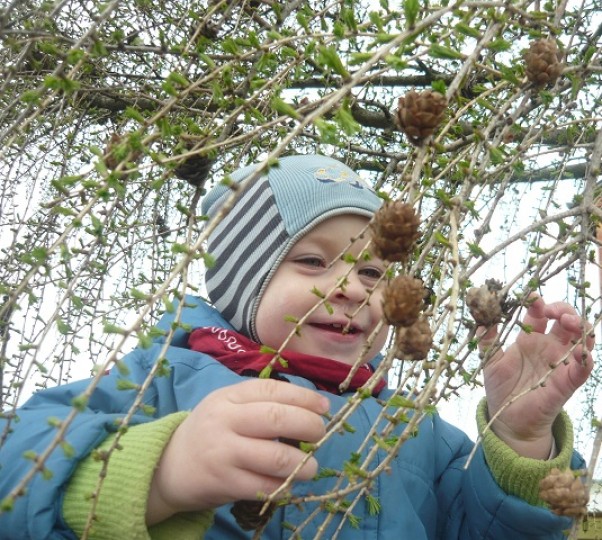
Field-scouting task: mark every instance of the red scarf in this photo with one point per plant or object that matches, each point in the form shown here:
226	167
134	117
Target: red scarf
243	356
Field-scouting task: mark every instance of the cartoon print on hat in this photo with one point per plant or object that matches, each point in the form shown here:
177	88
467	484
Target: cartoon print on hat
337	174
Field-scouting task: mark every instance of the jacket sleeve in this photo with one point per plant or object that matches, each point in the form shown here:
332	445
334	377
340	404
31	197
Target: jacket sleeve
518	475
121	503
37	510
497	492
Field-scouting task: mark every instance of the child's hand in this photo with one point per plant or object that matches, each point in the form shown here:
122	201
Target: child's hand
526	424
227	447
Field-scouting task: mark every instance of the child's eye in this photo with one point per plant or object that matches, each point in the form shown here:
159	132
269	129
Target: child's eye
316	262
371	272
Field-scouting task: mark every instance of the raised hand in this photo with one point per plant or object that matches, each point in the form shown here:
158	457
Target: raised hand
555	362
227	448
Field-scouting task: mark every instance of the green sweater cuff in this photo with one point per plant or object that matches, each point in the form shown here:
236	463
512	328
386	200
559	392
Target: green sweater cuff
121	508
517	475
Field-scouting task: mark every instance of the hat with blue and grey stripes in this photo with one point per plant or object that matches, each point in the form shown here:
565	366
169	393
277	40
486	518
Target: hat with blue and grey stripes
269	217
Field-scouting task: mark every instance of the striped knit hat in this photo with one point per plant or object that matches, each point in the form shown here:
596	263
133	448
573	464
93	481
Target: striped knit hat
266	221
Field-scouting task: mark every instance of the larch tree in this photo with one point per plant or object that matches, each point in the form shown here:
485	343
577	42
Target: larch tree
116	117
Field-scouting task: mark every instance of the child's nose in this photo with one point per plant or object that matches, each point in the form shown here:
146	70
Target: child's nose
352	289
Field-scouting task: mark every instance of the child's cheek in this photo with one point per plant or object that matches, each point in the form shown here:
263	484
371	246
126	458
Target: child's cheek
379	341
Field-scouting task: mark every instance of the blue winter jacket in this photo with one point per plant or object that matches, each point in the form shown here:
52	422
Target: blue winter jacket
426	493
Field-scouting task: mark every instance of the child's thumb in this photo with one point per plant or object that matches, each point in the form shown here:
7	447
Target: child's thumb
488	341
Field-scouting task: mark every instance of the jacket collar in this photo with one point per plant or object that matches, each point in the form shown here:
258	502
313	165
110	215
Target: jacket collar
196	313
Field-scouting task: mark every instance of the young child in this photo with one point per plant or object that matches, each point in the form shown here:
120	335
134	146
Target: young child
213	433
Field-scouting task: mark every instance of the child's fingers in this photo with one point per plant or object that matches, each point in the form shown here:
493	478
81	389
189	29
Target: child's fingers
276	460
567	315
536	318
250	485
269	390
486	337
574	324
569	327
580	367
271	420
555	310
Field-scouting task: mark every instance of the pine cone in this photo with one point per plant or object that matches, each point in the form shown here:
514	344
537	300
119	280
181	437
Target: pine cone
485	303
542	62
403	299
565	494
394	231
419	113
111	160
246	514
194	170
414	342
113	155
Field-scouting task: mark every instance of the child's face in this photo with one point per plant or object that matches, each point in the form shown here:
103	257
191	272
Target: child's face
308	267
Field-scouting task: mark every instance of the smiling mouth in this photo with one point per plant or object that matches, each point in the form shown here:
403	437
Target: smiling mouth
336	328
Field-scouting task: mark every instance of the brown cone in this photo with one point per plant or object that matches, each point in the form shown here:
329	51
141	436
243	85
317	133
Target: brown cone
110	154
485	303
542	62
420	113
394	231
565	494
246	514
194	170
414	342
403	299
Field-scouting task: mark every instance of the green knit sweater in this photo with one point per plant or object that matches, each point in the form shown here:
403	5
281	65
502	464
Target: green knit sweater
121	506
